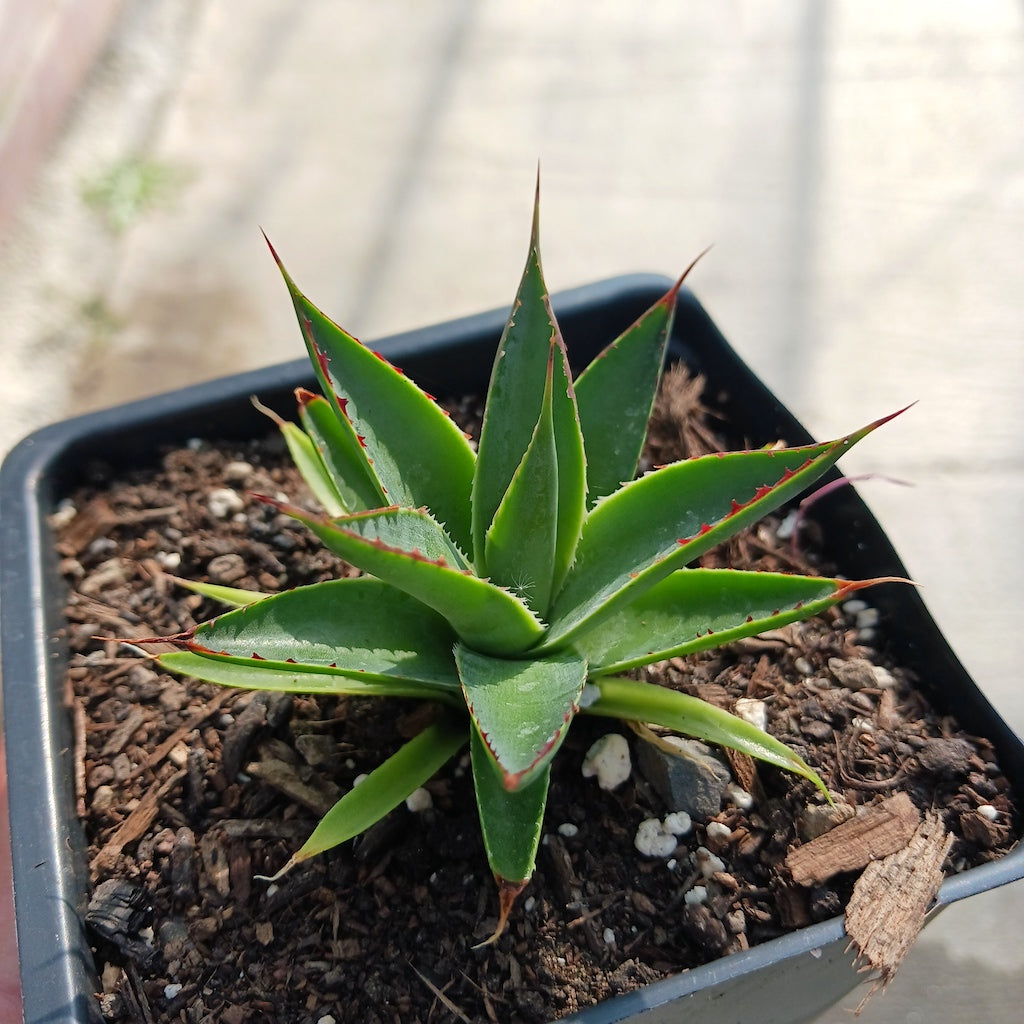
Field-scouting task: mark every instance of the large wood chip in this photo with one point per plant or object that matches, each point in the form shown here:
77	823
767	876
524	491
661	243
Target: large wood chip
881	830
134	826
891	898
284	778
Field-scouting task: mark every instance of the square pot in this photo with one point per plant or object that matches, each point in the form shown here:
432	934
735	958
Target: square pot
788	979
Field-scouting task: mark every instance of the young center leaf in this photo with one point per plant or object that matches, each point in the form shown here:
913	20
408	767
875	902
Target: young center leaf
515	394
532	540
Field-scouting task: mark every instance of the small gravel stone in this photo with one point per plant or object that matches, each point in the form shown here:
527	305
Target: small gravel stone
102	798
224	502
737	796
753	711
568	830
419	800
227	568
609	937
853	673
989	812
717	830
692	780
884	679
736	922
66	511
169	560
608	759
238	472
787	526
867	619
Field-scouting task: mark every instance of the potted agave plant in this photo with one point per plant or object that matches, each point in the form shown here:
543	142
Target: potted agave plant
516	582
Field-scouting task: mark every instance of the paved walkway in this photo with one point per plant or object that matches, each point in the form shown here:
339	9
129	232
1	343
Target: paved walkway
858	167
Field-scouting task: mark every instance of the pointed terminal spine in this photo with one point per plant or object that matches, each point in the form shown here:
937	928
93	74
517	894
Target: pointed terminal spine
508	893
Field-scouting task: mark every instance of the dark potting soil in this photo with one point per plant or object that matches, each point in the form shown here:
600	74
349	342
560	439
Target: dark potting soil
188	791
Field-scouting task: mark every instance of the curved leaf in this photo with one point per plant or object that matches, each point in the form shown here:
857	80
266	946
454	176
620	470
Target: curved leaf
233	596
646	702
361	627
572	464
615	395
287	677
385	787
515	393
521	541
695	609
308	461
671	516
485	616
341	454
419	456
522	709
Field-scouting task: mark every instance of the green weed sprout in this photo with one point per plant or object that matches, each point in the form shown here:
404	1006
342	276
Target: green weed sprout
514	585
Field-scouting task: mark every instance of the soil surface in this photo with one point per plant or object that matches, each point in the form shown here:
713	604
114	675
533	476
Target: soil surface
188	791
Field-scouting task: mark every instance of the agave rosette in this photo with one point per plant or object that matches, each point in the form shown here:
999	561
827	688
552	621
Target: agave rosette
501	581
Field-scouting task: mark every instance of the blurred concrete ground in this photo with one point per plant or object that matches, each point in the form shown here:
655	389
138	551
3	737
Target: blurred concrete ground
858	167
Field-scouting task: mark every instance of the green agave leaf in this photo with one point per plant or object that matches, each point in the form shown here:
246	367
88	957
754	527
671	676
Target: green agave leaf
615	395
520	544
511	821
287	677
646	702
669	517
532	539
522	709
413	530
355	627
695	609
408	549
308	461
235	597
572	465
386	787
419	456
341	454
515	394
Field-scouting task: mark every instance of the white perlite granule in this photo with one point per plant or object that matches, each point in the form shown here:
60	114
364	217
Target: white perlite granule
653	839
608	759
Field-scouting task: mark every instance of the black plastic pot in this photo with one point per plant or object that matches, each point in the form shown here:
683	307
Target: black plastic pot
788	979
